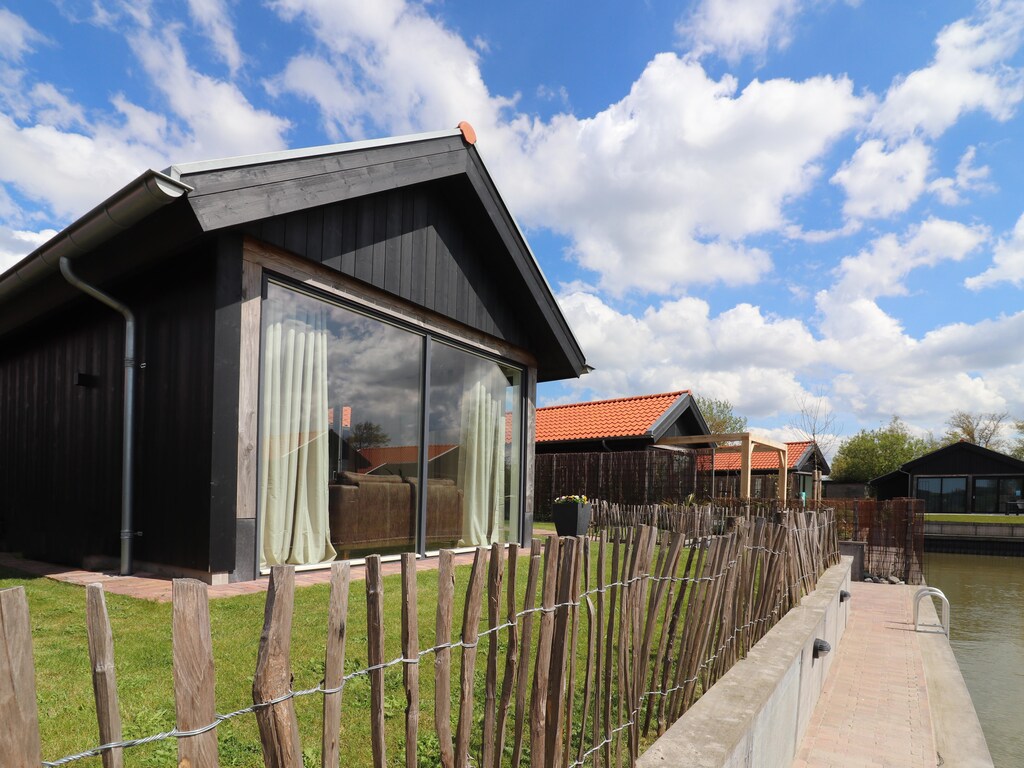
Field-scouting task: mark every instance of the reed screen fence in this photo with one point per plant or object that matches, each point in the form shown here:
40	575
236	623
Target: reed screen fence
624	477
631	627
892	532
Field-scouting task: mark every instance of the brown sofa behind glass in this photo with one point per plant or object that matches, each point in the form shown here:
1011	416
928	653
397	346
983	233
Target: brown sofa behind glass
375	513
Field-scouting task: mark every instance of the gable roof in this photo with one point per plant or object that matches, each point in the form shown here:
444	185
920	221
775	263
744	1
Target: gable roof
1011	464
216	195
799	454
640	416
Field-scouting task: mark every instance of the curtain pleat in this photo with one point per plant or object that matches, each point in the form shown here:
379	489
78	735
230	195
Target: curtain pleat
482	453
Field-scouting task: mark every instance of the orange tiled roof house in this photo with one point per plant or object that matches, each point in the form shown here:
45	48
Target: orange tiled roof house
804	457
606	449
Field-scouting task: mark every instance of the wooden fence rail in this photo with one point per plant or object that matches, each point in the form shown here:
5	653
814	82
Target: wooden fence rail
633	625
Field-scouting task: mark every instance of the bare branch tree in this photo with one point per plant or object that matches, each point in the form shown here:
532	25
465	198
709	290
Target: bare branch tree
984	429
816	422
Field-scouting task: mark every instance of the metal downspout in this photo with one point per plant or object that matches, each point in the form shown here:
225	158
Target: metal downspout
127	446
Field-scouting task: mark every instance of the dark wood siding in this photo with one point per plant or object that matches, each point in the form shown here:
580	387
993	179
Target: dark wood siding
174	393
61	404
430	244
60	490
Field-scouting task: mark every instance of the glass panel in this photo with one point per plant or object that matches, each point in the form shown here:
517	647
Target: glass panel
1011	493
474	439
929	489
355	493
954	495
986	494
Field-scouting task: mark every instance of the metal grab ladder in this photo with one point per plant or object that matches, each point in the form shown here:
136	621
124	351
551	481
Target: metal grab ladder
931	592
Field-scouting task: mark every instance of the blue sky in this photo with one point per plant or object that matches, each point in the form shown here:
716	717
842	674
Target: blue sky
761	200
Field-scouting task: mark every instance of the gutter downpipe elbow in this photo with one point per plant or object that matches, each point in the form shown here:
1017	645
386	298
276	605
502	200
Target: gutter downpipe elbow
127	444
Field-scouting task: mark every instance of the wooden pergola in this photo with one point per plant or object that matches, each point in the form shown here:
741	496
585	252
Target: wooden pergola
748	444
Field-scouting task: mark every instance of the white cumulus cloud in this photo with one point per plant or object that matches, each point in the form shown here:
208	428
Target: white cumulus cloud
1007	261
880	183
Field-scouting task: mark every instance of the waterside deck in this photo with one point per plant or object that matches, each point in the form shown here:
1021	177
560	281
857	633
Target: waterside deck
893	696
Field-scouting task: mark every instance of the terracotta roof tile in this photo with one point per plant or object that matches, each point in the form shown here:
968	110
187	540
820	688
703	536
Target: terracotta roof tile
622	417
730	462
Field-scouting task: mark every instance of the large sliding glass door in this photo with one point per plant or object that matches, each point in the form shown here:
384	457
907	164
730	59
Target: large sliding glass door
346	401
993	494
473	444
947	495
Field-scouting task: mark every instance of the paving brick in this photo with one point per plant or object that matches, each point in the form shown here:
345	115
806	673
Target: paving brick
873	710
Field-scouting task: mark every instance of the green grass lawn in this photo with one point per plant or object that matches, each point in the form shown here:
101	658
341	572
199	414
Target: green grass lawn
994	519
142	644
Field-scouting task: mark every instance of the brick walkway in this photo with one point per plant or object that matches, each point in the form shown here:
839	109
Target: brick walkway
158	588
873	711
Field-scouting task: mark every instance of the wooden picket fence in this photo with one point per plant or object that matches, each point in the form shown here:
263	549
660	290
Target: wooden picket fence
693	521
631	628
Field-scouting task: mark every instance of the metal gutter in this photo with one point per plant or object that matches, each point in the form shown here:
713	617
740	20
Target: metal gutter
132	203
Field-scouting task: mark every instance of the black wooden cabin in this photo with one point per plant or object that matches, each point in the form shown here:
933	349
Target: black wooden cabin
392	268
961	478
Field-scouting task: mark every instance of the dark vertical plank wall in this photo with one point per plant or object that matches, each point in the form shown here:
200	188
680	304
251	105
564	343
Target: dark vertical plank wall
61	407
175	396
430	244
59	492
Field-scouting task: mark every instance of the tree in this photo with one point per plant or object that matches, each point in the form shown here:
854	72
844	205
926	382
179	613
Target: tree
719	415
1018	445
367	434
816	422
873	453
984	429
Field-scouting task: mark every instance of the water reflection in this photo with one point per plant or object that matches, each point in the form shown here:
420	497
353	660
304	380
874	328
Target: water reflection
986	596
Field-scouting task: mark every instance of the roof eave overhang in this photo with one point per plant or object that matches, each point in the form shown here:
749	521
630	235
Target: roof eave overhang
119	212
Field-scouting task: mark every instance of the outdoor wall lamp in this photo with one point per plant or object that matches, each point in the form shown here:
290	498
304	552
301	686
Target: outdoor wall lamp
821	647
843	595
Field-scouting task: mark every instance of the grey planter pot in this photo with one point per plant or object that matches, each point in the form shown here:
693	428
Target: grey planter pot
571	518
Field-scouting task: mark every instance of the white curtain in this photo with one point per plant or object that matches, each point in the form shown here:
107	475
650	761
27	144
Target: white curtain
294	461
482	453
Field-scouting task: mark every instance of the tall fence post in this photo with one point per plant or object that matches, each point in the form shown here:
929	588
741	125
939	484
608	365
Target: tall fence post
375	656
279	729
334	663
19	735
104	680
193	672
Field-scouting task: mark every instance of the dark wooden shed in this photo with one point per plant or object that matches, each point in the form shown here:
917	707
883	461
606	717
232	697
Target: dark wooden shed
957	479
392	268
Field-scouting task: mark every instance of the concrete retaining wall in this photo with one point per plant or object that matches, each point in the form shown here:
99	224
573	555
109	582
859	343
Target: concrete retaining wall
993	530
855	550
959	739
757	713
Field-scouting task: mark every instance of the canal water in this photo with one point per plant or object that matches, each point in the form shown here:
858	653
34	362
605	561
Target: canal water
986	597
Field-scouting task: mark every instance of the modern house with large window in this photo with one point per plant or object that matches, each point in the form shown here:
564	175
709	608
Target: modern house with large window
957	479
315	354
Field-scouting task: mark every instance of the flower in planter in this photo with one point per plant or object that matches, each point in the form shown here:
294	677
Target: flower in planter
574	499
